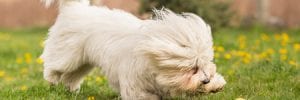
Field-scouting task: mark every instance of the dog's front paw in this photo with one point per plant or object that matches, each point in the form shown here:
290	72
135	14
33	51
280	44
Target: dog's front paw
75	88
216	84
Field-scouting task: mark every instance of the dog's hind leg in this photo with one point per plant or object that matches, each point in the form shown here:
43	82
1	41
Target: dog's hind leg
61	55
56	63
72	80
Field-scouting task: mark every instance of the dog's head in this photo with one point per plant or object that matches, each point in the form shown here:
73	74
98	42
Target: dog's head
180	49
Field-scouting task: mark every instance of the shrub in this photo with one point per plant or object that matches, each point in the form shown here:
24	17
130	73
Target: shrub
214	12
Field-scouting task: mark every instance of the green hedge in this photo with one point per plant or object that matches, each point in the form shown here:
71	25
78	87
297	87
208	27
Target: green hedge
214	12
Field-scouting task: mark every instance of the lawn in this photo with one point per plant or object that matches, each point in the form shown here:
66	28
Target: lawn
258	64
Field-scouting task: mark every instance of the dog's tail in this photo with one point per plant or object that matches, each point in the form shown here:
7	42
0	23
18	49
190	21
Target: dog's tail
65	2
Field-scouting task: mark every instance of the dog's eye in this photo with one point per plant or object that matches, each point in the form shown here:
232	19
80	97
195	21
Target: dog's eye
183	45
195	70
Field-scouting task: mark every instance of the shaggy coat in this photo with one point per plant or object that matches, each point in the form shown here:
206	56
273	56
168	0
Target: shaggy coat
142	59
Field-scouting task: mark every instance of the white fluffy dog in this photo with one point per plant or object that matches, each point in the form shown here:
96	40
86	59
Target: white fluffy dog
142	59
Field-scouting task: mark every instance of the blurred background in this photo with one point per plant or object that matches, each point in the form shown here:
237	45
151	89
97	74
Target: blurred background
220	13
256	48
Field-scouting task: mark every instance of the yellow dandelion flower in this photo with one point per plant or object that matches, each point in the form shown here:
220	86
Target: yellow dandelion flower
27	58
297	47
8	78
241	41
292	62
270	51
24	71
265	37
242	38
263	55
241	53
19	60
283	57
2	73
227	56
91	98
277	36
248	56
220	49
242	45
24	88
240	99
246	61
99	79
39	61
285	37
283	51
233	52
283	43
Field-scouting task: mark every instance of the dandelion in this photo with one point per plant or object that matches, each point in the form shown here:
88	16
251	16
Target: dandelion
265	37
8	78
246	61
297	47
263	55
217	55
24	88
242	45
19	60
240	99
292	62
285	39
220	49
242	38
39	60
227	56
241	53
283	43
270	51
27	58
283	57
277	36
91	98
283	51
2	73
99	79
241	41
248	56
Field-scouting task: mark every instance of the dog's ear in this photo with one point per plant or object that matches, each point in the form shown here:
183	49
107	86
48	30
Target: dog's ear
165	53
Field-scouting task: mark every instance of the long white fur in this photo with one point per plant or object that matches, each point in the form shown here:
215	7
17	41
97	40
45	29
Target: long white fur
142	59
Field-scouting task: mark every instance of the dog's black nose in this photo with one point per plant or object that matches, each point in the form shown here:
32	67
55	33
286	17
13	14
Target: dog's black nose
205	81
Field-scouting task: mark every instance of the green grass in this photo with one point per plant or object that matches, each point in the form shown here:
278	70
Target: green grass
256	66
